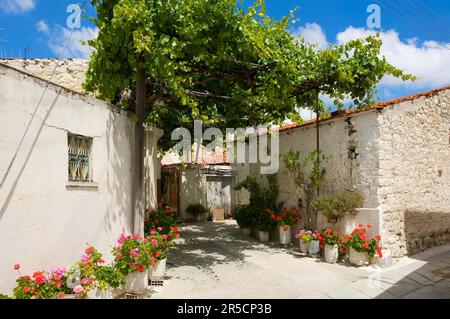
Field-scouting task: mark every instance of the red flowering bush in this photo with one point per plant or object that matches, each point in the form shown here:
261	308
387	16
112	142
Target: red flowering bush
42	285
328	237
286	218
133	254
162	219
162	243
358	241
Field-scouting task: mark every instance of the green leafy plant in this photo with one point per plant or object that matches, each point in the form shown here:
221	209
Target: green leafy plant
286	217
134	253
243	216
163	219
264	221
197	210
358	241
306	235
328	237
42	285
306	184
336	206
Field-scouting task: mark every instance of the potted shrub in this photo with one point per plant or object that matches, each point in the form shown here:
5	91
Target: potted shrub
162	244
132	259
198	212
164	218
330	242
360	248
334	207
244	219
265	224
305	237
285	220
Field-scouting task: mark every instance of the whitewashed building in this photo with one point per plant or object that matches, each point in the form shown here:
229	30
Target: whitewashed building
67	181
396	153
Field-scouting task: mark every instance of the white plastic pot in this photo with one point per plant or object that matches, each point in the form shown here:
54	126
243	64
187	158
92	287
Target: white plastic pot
331	253
136	282
263	236
159	270
246	231
285	235
304	246
100	294
314	247
358	258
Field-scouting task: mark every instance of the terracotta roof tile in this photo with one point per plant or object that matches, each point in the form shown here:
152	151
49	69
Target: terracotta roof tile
377	106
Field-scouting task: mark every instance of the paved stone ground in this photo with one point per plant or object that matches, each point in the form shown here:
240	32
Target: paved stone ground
217	261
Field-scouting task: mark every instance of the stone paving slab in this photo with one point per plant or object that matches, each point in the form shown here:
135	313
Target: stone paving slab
216	261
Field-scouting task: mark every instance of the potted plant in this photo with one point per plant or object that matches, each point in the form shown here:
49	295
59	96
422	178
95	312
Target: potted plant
334	207
314	245
42	285
330	242
265	223
162	244
305	237
198	212
164	218
244	219
132	259
361	248
285	220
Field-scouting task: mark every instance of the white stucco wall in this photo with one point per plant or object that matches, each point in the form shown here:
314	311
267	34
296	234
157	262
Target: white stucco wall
415	173
43	222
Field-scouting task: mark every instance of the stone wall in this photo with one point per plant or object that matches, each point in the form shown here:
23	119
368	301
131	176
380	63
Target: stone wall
415	172
46	221
70	73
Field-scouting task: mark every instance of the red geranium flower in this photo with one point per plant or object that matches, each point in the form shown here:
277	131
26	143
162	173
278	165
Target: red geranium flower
272	216
26	289
140	268
16	266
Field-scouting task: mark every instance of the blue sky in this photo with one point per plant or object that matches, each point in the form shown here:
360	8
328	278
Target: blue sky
416	32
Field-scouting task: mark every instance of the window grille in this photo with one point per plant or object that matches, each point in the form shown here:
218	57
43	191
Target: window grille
79	158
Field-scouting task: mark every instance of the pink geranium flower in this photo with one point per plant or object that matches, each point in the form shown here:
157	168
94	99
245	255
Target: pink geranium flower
78	289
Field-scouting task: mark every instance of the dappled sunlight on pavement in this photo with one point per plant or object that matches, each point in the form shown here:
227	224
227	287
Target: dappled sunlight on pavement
214	260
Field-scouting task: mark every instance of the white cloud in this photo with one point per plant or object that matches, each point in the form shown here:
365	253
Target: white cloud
42	26
17	6
75	48
429	61
313	33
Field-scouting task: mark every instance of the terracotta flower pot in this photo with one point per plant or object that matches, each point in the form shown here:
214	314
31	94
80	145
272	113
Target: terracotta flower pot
331	254
136	282
304	246
285	235
159	270
358	258
263	236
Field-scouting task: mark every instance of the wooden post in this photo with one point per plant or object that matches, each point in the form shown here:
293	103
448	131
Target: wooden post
138	183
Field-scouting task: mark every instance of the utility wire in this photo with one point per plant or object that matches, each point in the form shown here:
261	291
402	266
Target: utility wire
41	98
420	12
408	21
